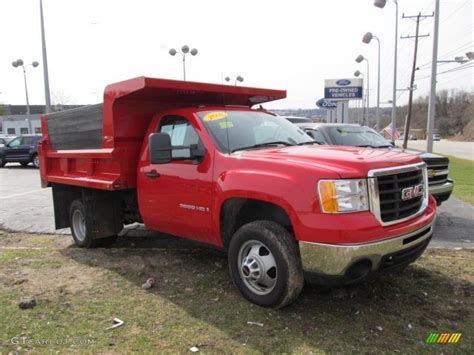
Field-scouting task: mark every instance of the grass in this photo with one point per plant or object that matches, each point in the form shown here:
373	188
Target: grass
462	172
195	303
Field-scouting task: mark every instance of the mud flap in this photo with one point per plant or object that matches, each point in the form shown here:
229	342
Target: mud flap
103	213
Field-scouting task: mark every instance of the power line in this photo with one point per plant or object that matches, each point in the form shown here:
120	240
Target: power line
465	66
452	13
450	52
455	78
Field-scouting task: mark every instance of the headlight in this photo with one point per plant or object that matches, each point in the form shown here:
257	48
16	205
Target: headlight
340	196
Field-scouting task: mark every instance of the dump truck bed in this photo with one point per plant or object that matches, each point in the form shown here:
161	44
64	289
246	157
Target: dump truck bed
98	146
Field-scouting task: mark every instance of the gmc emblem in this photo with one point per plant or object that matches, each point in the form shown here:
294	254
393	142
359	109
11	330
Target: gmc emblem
411	192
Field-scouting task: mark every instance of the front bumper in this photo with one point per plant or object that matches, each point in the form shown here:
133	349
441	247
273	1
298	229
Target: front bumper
442	192
340	260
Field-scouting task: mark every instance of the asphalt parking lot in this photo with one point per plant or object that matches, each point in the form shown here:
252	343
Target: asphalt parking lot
26	207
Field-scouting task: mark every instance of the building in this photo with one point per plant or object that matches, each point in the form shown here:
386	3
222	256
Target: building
14	120
20	124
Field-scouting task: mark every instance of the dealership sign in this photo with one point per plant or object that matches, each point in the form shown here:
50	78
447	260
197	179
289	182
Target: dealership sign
323	103
343	89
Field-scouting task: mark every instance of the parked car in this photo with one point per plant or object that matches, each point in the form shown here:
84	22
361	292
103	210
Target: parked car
436	137
413	137
21	149
171	154
361	136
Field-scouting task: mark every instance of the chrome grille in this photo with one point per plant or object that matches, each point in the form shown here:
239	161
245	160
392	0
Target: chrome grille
437	173
386	188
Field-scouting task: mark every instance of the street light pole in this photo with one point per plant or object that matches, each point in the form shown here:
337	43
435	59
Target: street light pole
432	99
366	39
381	4
363	103
184	50
184	67
47	95
359	59
26	92
237	78
394	98
19	63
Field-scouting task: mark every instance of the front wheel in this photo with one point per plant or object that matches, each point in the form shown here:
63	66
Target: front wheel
2	162
265	264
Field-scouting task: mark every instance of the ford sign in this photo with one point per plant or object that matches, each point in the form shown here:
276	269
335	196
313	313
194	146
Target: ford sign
343	82
323	103
343	89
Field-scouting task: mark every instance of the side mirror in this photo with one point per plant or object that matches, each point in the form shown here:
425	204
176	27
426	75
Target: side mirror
197	151
160	148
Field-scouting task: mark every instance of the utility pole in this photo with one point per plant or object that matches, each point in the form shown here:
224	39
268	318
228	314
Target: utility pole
412	79
432	101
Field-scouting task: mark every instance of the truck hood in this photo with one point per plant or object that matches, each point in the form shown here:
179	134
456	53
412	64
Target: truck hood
348	162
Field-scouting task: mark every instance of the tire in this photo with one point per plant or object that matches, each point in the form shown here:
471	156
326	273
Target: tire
80	233
24	164
2	162
35	160
260	280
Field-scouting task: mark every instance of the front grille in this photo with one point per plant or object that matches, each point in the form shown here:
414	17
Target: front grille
437	174
392	207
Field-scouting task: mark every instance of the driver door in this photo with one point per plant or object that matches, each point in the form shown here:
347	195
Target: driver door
179	200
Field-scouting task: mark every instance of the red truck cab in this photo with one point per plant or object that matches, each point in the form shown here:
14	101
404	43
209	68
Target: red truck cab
196	161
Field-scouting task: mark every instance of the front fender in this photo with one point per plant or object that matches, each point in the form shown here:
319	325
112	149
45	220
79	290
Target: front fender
280	189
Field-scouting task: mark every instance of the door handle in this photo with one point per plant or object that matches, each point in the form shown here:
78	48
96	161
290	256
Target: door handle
153	174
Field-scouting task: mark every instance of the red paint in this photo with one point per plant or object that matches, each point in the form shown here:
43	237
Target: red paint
284	176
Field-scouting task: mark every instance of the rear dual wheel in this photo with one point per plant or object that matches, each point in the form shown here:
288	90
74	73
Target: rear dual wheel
265	264
80	233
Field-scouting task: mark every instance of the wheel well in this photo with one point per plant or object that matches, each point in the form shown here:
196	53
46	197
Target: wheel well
236	212
120	206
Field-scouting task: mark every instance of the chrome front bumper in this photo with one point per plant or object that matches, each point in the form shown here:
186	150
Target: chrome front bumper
336	259
441	189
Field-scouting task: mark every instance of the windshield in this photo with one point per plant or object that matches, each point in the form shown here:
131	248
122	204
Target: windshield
299	120
239	130
357	136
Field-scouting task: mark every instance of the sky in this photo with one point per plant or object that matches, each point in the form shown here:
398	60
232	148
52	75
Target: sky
292	45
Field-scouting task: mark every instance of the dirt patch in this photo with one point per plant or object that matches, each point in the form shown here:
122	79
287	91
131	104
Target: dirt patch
194	303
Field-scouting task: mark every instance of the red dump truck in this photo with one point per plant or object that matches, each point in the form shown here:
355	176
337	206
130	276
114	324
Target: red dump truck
197	161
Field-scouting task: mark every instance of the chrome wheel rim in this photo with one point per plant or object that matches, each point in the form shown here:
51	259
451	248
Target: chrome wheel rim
36	161
79	225
257	267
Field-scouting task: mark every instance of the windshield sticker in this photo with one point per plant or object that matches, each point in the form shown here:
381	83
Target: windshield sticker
227	124
214	116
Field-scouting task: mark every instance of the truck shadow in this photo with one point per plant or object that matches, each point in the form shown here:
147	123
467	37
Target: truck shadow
395	310
20	167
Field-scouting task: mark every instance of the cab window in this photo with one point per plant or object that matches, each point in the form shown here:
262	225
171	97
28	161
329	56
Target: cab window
15	143
182	133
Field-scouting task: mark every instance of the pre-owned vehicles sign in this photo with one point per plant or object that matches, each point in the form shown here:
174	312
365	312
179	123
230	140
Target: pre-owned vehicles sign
343	89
